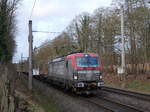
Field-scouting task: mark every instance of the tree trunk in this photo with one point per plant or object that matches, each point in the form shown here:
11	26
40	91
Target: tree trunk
7	101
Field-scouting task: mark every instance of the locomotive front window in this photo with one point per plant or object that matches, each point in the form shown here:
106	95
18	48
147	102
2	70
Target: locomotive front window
87	61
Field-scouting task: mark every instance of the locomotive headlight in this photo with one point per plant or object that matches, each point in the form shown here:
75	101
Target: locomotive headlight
99	84
75	77
100	77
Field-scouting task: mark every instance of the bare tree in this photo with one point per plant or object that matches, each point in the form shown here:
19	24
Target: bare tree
7	48
100	33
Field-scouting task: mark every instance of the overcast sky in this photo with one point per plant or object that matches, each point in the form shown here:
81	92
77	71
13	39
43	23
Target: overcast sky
49	15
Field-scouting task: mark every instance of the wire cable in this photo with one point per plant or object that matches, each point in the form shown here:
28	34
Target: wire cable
32	9
44	32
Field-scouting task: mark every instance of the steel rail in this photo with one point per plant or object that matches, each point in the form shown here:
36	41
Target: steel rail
121	104
137	100
138	95
99	105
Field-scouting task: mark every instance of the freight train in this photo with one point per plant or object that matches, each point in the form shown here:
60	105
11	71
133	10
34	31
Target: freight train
80	72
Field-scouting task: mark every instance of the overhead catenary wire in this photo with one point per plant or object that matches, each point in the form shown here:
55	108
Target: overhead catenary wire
44	32
32	9
31	17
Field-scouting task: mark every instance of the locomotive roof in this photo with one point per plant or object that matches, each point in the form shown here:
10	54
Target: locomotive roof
56	60
81	54
70	56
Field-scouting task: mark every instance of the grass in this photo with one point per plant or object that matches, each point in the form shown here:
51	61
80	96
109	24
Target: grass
138	86
39	103
34	108
135	85
139	83
43	101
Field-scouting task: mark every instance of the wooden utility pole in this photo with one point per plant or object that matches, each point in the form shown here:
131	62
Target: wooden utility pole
30	39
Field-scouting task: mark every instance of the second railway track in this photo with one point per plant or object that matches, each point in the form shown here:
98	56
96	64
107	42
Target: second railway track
134	100
108	105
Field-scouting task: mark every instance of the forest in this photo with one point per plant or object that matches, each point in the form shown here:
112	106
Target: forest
100	32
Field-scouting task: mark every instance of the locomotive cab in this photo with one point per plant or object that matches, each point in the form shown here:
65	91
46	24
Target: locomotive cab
86	72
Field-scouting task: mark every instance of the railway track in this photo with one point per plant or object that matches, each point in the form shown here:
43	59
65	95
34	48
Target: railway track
139	102
142	96
102	107
118	107
106	103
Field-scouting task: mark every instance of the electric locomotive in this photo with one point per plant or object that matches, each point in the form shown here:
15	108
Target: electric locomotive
80	72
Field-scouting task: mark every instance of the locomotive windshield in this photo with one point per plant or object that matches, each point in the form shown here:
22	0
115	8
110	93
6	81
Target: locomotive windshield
87	61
